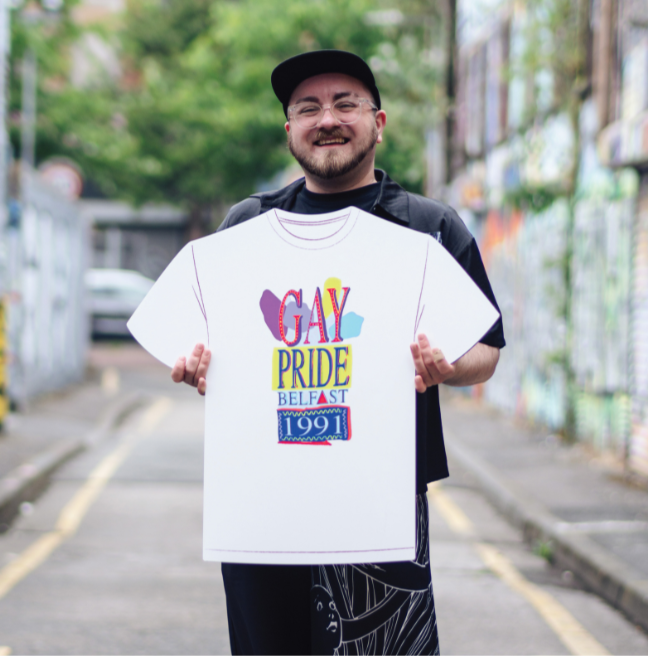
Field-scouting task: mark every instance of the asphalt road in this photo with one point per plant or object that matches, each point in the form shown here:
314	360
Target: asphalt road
108	561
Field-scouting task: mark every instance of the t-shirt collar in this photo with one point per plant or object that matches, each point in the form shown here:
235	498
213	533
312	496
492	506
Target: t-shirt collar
392	202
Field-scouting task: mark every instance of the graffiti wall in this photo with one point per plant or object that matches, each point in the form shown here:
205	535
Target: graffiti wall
524	254
563	278
525	257
638	448
600	306
571	280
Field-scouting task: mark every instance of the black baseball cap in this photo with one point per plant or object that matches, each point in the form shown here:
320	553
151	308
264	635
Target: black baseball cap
292	72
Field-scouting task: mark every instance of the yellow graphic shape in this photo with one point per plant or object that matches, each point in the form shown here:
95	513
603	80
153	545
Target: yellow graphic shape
319	367
331	283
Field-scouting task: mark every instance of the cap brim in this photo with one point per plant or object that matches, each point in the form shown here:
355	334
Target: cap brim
288	75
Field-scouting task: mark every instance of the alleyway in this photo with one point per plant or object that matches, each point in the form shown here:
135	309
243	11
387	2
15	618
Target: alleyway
108	559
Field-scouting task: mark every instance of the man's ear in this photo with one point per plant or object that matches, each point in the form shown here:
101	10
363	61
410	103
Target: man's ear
287	126
381	121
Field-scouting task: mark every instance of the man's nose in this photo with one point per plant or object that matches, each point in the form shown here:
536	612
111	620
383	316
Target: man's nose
328	119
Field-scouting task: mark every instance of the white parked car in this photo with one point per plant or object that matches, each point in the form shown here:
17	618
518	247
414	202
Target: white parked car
114	295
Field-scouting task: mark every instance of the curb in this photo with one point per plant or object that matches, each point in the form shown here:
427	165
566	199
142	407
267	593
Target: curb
28	481
601	571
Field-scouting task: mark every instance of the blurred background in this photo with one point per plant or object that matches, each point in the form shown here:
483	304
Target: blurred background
128	127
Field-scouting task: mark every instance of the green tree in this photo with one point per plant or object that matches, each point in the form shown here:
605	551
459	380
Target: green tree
49	36
193	119
409	66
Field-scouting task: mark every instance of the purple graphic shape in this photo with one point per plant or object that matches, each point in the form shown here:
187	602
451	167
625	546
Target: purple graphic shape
270	305
291	311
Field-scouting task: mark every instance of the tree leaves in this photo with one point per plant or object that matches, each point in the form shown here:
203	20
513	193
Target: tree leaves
193	119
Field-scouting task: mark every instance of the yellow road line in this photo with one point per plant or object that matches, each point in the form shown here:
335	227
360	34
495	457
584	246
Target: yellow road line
570	632
75	510
454	517
573	634
110	381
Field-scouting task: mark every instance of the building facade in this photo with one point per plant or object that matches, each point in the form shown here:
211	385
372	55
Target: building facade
557	195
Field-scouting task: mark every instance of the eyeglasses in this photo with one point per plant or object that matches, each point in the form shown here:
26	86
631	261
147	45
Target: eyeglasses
308	115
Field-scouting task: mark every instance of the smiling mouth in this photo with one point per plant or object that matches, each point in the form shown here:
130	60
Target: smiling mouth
338	141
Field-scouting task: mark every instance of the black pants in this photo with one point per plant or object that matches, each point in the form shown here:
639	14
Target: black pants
383	608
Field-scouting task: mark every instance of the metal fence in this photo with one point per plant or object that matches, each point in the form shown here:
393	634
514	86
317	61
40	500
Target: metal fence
48	321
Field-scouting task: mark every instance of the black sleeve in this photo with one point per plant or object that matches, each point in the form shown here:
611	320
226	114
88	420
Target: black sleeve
246	209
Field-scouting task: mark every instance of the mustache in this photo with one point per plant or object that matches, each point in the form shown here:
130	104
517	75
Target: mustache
334	133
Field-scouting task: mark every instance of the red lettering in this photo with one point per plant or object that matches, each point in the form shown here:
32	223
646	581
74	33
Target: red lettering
282	327
317	305
337	310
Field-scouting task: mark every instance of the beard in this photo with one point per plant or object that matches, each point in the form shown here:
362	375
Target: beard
333	164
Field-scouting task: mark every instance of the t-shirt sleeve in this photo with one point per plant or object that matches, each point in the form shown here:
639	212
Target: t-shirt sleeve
470	259
453	311
172	318
462	246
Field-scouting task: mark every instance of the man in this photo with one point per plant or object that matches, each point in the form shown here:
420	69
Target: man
334	123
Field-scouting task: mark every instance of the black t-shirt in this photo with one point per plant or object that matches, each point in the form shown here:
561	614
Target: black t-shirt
430	461
306	202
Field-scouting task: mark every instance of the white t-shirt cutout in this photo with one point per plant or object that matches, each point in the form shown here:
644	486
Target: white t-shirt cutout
351	499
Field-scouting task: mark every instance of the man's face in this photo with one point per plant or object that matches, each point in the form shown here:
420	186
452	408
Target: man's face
332	150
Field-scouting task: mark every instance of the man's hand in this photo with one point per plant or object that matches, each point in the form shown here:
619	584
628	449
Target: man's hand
193	370
475	366
431	366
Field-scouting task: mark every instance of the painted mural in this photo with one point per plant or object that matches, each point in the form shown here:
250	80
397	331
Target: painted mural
571	280
523	254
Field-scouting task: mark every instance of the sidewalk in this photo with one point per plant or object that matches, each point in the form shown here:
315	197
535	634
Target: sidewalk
575	508
53	429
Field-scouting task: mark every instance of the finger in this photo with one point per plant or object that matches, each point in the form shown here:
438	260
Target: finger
419	365
203	365
419	384
192	364
178	371
434	360
202	387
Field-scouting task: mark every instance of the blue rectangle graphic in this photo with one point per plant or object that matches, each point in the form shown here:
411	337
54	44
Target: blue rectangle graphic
314	425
